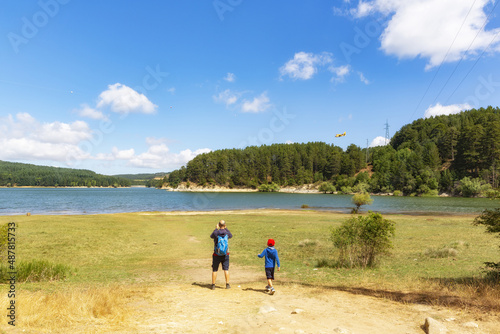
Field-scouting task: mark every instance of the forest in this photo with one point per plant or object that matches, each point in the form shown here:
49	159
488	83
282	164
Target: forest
455	154
14	174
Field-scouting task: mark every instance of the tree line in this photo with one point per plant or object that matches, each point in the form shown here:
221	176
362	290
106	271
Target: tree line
19	174
457	154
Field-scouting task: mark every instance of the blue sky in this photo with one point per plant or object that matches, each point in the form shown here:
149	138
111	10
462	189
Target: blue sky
137	87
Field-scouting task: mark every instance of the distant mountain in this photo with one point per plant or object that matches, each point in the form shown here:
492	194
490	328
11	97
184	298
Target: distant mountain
14	174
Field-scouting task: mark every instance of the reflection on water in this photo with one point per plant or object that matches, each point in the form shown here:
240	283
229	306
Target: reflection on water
109	200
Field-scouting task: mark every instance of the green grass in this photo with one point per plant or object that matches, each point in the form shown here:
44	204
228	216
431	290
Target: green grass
127	247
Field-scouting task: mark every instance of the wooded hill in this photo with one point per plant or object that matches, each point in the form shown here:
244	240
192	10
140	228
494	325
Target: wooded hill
455	154
19	174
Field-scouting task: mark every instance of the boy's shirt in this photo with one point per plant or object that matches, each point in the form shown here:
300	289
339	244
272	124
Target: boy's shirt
272	258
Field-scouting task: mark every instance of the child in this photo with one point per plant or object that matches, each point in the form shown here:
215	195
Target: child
272	258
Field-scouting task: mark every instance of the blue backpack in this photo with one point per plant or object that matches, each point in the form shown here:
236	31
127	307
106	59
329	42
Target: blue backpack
222	245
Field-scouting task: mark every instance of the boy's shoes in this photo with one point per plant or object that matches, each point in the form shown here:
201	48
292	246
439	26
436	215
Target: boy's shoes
213	287
268	288
228	286
272	291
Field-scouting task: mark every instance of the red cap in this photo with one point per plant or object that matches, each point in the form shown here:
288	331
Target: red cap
270	242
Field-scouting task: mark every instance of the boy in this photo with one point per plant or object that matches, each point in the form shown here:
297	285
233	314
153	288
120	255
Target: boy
220	231
272	258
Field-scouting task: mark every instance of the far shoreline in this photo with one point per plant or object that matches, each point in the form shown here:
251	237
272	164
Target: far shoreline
300	211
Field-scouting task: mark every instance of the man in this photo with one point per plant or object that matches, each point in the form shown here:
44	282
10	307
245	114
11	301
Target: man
220	232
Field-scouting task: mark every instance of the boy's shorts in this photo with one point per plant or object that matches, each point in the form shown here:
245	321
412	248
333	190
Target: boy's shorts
216	260
270	273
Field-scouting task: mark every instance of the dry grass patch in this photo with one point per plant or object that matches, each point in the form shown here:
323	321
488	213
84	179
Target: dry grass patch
96	308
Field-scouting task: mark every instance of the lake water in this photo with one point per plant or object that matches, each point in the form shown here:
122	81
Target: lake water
14	201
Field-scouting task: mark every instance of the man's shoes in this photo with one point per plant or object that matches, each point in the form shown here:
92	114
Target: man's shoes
272	291
228	286
213	287
268	288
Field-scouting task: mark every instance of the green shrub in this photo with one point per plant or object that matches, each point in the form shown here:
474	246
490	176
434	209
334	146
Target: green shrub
361	187
3	241
327	187
273	187
36	271
439	253
360	241
470	187
397	193
307	243
346	190
450	250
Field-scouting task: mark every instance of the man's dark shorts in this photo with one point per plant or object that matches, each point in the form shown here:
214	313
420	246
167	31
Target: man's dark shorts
270	273
216	260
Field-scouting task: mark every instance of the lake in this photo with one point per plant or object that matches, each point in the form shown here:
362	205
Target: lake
15	201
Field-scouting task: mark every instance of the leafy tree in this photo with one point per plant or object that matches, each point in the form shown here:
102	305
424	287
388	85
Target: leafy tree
360	199
490	219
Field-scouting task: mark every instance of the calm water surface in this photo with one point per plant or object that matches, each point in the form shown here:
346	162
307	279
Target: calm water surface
15	201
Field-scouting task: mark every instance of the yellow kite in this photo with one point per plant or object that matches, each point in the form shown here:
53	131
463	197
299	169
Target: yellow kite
340	134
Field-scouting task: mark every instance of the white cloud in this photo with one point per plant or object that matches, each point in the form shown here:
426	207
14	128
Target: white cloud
427	28
171	90
24	138
86	111
340	72
258	104
123	99
439	109
379	141
230	77
304	65
158	156
227	97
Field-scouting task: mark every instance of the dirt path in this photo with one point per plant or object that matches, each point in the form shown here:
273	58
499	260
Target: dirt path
246	308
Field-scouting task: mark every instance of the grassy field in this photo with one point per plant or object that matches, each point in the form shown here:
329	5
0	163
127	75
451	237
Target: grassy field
111	256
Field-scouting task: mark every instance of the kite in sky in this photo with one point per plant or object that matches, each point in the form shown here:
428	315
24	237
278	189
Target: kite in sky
340	134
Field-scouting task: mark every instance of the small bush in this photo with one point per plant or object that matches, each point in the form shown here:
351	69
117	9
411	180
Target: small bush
439	253
324	263
273	187
307	243
3	241
327	187
304	206
360	241
450	250
492	271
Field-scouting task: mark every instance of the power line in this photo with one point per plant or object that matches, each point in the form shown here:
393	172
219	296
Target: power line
442	61
463	55
473	65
